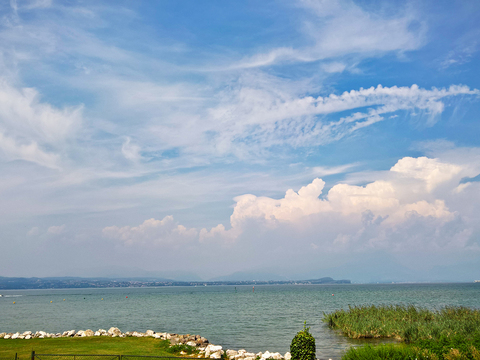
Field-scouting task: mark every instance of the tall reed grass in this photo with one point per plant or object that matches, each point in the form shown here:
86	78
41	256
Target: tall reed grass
447	334
405	323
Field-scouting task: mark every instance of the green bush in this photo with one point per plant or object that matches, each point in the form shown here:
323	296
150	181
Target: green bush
303	345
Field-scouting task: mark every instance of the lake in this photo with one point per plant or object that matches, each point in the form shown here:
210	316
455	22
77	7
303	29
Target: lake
235	317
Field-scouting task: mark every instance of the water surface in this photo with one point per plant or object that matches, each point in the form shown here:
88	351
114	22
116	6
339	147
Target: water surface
234	317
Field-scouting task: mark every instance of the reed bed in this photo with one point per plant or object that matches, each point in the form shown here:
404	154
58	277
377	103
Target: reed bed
405	323
449	333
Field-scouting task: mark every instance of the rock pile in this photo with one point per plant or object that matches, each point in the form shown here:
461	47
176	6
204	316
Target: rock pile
205	349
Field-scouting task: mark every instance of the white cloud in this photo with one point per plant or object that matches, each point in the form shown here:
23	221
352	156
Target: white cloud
131	151
333	67
153	232
338	28
29	152
56	230
259	113
28	126
365	216
33	231
348	217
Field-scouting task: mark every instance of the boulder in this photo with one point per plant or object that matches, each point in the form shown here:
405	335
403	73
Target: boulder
28	337
217	355
191	343
15	336
231	354
80	333
249	358
149	333
212	349
114	331
7	336
97	333
89	332
2	335
287	356
27	333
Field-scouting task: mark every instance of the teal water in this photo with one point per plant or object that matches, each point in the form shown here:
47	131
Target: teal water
234	317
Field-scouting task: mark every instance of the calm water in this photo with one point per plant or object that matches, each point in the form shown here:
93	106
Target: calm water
234	317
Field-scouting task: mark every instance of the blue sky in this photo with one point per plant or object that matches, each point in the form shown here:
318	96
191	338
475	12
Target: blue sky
196	139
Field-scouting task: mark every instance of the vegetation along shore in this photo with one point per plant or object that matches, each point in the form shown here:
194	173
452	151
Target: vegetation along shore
449	333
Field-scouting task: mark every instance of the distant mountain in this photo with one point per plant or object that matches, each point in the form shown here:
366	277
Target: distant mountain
71	282
250	276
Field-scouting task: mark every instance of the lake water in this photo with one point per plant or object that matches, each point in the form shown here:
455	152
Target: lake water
234	317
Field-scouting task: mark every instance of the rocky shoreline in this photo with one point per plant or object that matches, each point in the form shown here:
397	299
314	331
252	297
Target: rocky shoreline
205	349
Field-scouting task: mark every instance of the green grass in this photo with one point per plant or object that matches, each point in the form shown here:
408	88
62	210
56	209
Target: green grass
448	333
86	345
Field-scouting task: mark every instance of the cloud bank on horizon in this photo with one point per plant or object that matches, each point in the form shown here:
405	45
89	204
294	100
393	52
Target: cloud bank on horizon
342	131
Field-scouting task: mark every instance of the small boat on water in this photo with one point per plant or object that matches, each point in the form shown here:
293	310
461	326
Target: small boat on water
475	281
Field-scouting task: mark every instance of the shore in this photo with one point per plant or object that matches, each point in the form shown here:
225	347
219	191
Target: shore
202	346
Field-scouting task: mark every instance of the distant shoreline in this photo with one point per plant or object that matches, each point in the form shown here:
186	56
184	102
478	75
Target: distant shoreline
7	283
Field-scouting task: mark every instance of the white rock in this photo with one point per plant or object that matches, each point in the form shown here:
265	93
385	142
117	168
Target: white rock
28	337
191	343
157	336
71	333
21	337
249	358
212	349
239	356
15	336
27	333
168	336
41	337
241	351
7	336
97	333
114	331
249	354
217	355
149	332
287	356
231	354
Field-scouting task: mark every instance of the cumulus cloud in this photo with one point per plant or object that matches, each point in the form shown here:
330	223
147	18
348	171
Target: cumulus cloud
152	232
385	214
402	211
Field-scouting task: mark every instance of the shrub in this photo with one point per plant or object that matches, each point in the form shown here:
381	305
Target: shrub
303	345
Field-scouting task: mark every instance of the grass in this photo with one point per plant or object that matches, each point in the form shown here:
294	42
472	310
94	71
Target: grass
449	333
87	345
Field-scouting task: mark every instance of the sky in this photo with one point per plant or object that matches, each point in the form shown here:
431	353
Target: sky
243	139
